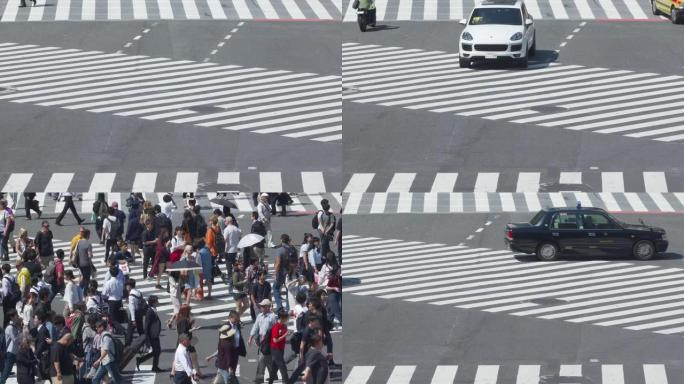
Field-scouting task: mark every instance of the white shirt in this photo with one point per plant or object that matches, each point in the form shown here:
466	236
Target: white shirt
107	225
6	281
264	213
113	289
177	243
181	361
134	296
304	251
72	294
315	256
167	208
323	275
232	237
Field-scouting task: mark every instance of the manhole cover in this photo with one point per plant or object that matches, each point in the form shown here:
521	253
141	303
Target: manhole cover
547	301
548	109
206	109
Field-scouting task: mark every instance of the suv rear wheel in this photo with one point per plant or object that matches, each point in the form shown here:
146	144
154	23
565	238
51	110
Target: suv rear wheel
547	252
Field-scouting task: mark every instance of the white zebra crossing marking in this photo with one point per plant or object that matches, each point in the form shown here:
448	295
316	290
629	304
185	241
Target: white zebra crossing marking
487	182
528	374
401	374
102	182
613	182
216	9
87	11
271	181
444	374
144	182
655	374
655	182
313	182
114	10
186	182
444	182
165	10
228	178
528	182
570	178
62	10
190	9
359	182
486	374
17	182
36	13
139	9
401	182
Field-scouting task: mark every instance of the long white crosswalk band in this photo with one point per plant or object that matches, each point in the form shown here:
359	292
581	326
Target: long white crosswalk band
401	374
359	375
10	12
612	182
584	10
655	182
570	178
313	182
609	9
486	374
144	182
528	374
487	182
139	9
17	182
401	182
379	202
191	11
612	374
634	8
36	13
165	10
455	9
186	182
62	10
216	9
88	10
570	370
655	374
271	181
444	374
228	178
267	9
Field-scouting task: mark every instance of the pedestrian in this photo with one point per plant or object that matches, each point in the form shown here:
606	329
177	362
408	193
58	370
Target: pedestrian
152	329
189	225
149	240
231	237
136	311
226	356
316	365
90	351
23	243
258	228
161	256
265	217
326	226
175	295
55	276
161	221
240	285
100	212
168	206
42	347
234	323
191	276
84	258
285	258
74	243
205	259
177	245
12	332
213	232
279	333
110	232
283	200
184	371
73	295
338	237
43	242
31	204
68	198
185	325
113	289
134	233
121	218
107	362
261	332
62	367
260	290
331	280
11	293
315	259
6	229
26	362
27	312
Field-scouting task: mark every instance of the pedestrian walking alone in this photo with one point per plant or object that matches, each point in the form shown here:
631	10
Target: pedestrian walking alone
68	199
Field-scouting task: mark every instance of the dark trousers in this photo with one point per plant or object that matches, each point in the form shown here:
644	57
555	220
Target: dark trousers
68	205
156	352
31	204
6	306
181	378
115	313
148	256
334	306
325	245
139	326
110	245
230	259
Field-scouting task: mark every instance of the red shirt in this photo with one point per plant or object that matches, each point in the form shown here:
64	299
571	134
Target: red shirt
278	330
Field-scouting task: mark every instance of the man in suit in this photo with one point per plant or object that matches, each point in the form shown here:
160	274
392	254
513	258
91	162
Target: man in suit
68	205
42	346
31	204
152	330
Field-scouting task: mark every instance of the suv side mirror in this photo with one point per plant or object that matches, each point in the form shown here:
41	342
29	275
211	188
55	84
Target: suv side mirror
462	21
529	22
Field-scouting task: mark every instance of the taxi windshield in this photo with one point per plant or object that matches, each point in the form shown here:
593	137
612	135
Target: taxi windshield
505	16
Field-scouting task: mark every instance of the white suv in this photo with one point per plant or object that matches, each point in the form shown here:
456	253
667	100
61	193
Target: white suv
498	29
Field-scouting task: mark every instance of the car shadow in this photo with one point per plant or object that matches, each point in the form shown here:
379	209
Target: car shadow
542	59
382	27
661	256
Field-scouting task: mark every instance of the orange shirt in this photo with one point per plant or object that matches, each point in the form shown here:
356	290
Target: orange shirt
210	239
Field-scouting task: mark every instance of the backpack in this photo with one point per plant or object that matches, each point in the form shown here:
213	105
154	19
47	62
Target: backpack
292	256
142	306
49	275
14	294
113	228
96	207
200	226
335	279
315	223
118	347
76	319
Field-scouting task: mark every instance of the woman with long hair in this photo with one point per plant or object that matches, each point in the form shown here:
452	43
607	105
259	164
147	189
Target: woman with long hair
23	243
190	277
240	285
161	256
331	279
175	294
189	226
186	324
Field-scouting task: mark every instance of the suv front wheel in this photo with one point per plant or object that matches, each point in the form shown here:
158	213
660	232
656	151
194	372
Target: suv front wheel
463	62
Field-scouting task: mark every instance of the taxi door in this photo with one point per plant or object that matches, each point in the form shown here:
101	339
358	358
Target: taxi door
566	231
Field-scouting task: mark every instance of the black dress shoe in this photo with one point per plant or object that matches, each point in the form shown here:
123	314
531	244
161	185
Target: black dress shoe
40	213
22	6
158	370
58	223
81	221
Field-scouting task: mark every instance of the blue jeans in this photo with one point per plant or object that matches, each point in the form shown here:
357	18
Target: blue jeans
10	358
3	242
277	292
228	377
113	371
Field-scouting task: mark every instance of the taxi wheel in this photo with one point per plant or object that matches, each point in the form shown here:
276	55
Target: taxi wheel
547	252
464	63
643	250
674	16
654	8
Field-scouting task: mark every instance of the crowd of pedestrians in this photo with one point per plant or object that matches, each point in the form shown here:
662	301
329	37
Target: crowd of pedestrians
105	318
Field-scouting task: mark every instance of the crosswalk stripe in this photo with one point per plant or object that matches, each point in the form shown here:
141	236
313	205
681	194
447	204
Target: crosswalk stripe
430	10
359	182
59	182
267	9
62	10
36	13
216	9
190	9
271	181
558	9
379	201
114	10
655	182
456	9
165	9
88	10
144	182
186	182
444	182
401	182
359	375
444	374
293	9
528	182
609	9
612	182
10	12
570	370
654	374
313	182
319	9
228	178
584	9
635	9
528	374
17	182
401	374
486	182
139	9
404	12
102	182
242	9
486	374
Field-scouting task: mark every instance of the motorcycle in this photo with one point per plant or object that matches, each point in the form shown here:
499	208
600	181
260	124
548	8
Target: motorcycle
365	17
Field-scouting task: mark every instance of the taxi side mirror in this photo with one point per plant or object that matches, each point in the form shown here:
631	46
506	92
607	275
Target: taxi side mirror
529	22
462	21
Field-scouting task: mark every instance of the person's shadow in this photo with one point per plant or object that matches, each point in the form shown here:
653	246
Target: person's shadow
381	27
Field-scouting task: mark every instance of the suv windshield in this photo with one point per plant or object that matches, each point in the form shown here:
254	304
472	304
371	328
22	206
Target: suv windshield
505	16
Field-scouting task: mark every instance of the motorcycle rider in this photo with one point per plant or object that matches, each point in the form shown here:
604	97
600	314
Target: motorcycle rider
370	6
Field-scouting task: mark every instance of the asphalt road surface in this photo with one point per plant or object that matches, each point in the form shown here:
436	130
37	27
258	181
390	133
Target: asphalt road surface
163	96
438	298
